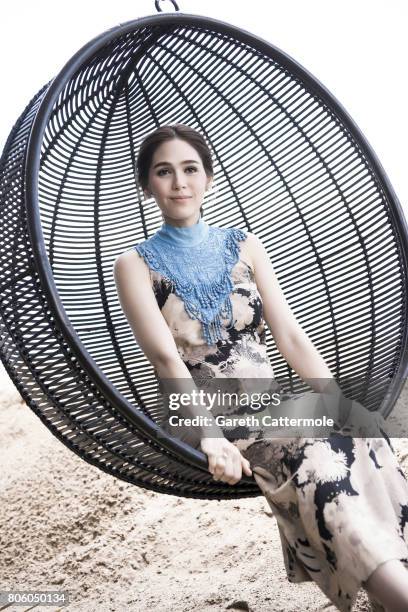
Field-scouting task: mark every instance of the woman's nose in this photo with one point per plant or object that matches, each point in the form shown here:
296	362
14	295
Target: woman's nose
178	180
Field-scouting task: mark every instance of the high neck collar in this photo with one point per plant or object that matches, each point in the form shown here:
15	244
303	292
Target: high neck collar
183	236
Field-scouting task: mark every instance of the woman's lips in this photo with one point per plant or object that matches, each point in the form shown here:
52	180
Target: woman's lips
181	198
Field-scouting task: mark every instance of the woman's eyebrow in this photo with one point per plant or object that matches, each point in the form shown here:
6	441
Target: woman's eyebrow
186	161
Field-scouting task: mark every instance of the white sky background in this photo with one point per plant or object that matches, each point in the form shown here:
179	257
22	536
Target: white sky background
358	49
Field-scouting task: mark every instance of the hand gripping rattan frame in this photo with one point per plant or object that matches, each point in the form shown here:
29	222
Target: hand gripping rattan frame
290	165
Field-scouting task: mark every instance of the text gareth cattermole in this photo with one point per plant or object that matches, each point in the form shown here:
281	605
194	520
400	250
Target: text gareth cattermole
200	397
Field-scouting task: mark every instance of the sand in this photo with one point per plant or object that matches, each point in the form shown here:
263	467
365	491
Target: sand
65	525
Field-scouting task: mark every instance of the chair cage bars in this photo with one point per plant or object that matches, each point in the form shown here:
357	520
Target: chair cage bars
290	165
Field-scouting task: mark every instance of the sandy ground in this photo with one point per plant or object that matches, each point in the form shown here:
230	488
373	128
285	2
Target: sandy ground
65	525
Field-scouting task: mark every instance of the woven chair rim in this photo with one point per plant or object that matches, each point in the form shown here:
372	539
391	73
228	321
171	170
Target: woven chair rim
31	173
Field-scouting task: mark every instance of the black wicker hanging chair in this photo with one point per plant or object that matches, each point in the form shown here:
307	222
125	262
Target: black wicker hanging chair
290	165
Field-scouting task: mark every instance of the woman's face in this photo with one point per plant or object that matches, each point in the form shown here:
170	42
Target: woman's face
177	170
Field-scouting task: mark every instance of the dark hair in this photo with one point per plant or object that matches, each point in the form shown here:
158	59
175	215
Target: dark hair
163	134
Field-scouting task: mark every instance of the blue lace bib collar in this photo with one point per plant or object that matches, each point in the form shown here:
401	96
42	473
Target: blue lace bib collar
197	260
183	236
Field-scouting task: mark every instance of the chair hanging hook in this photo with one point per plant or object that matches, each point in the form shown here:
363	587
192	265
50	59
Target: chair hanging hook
157	5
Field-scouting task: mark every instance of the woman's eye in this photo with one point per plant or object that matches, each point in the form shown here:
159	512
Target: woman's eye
160	172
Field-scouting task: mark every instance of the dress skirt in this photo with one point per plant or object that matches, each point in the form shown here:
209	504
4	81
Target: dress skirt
341	503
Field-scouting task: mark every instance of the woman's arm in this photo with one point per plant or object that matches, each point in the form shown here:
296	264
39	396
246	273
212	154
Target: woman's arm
149	327
154	337
291	340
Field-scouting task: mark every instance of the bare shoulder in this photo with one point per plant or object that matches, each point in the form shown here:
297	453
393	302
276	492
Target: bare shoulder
250	247
130	256
253	240
131	263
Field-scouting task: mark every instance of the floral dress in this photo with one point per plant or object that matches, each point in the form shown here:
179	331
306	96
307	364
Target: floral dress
341	502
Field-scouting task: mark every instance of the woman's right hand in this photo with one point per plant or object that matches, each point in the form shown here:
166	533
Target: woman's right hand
225	461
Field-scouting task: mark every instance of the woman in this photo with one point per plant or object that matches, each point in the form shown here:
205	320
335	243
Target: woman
196	297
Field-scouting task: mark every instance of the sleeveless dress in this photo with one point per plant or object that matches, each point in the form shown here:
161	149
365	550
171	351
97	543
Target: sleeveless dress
341	503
